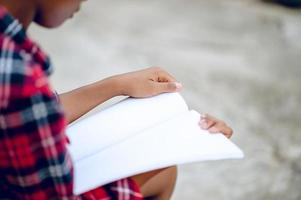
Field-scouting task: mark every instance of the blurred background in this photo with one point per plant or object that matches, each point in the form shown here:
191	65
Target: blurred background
239	60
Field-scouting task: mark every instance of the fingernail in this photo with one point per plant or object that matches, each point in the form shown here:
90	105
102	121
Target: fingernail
178	85
203	125
203	116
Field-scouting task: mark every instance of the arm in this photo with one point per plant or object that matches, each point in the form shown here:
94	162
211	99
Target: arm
81	100
143	83
34	159
34	162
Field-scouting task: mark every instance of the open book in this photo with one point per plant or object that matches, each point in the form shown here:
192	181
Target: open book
140	135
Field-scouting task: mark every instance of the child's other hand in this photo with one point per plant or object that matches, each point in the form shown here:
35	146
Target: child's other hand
214	125
148	82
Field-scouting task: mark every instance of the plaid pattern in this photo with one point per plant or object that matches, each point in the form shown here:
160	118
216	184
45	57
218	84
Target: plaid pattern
34	162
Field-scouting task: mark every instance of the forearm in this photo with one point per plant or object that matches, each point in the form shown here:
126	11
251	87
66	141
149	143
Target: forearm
78	102
143	83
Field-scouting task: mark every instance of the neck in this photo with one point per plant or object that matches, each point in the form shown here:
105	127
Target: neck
23	11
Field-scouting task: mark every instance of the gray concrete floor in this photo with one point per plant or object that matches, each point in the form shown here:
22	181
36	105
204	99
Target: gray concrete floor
238	60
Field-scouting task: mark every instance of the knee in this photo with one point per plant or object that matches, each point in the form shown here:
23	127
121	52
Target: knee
171	174
170	183
174	173
161	185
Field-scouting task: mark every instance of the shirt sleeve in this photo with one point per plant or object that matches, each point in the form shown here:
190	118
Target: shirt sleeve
34	161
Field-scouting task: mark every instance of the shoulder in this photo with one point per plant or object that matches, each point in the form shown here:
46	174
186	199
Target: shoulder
20	76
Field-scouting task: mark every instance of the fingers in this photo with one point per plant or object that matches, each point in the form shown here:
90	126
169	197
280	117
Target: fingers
221	128
205	123
161	75
214	125
164	76
228	132
164	82
167	87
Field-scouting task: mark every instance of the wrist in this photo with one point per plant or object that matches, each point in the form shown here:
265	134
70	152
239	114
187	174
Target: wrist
116	85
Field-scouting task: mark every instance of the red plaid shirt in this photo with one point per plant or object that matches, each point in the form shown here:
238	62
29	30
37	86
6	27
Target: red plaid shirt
34	161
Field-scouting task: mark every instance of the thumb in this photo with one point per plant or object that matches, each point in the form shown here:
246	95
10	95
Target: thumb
163	87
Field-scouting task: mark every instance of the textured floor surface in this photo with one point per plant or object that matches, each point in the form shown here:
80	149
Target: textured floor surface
238	60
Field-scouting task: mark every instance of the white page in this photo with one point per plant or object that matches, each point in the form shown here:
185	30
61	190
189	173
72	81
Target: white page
177	141
120	121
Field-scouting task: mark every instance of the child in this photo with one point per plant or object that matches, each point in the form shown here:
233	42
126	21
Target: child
34	161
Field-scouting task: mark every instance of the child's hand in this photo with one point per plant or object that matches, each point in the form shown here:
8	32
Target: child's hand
146	83
214	125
